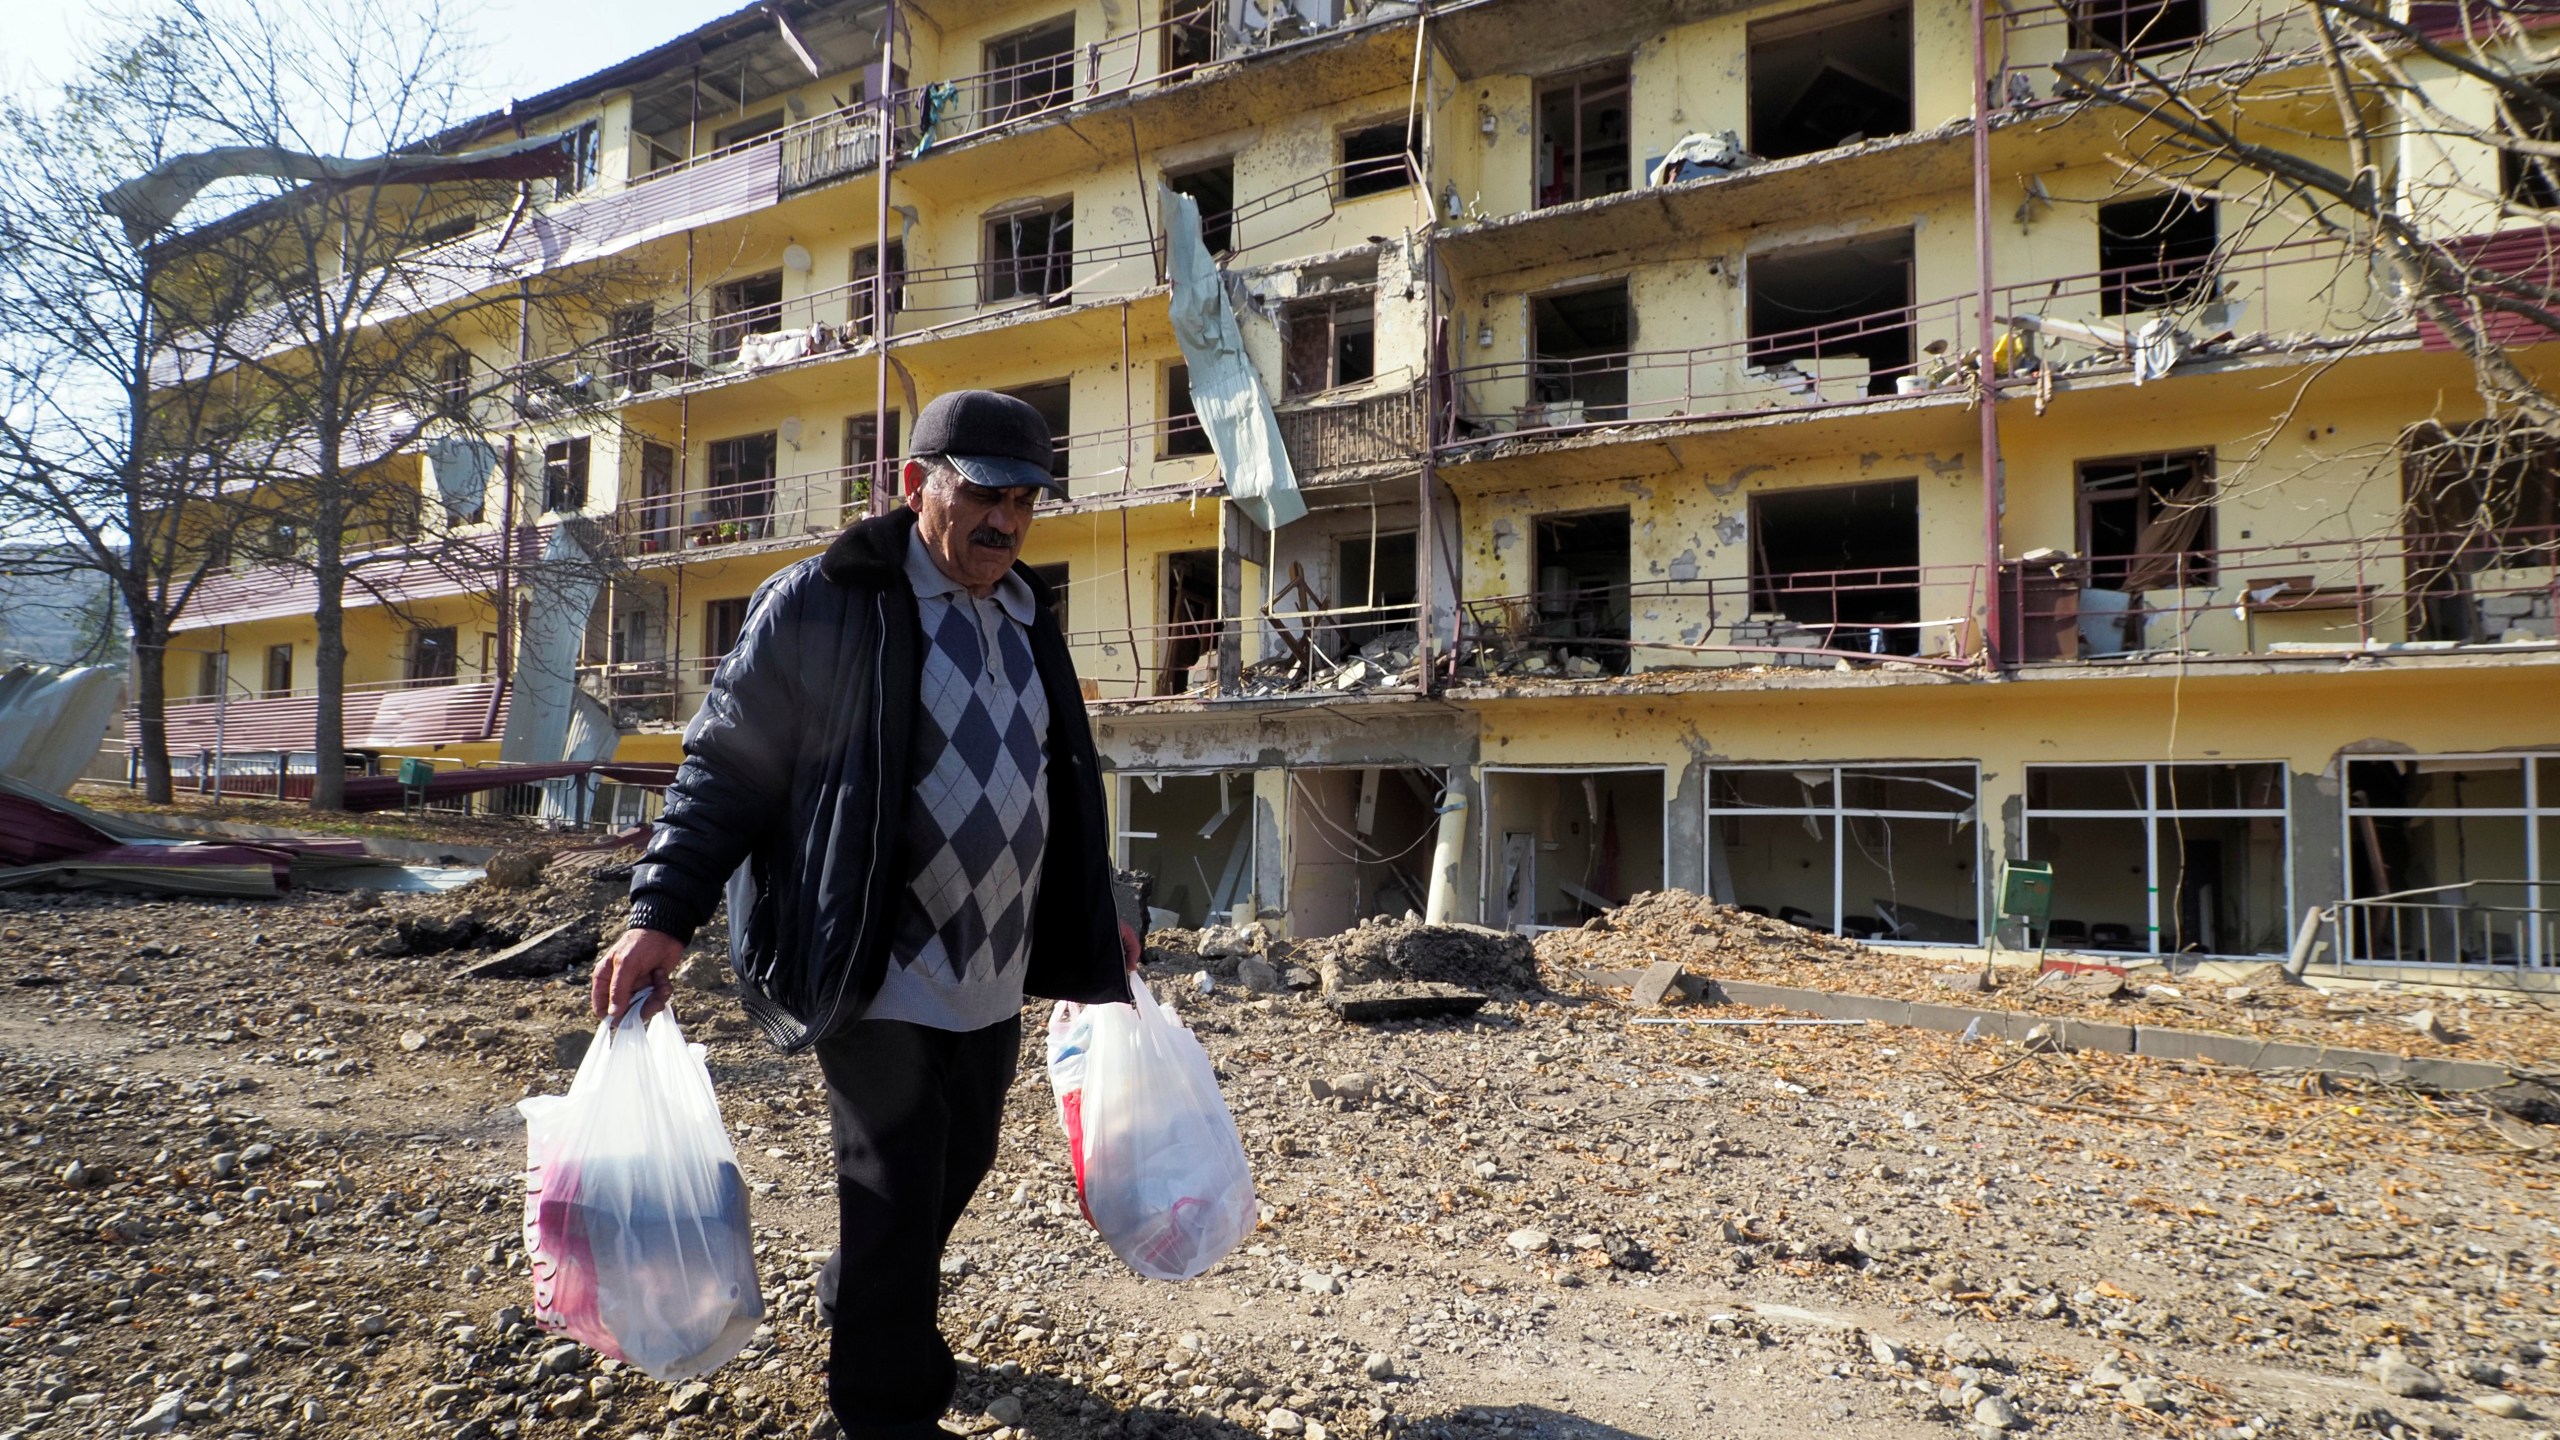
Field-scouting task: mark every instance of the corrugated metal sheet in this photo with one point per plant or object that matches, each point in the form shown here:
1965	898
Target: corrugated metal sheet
375	719
468	567
722	188
2529	255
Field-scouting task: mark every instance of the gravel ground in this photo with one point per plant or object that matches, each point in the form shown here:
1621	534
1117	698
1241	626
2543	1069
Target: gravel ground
259	1177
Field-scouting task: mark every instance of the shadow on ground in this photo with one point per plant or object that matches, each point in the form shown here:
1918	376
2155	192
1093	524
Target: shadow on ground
1056	1410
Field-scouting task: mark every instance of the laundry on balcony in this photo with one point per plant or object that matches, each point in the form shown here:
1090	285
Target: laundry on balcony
780	347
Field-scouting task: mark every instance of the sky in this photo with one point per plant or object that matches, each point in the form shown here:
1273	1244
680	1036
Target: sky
530	45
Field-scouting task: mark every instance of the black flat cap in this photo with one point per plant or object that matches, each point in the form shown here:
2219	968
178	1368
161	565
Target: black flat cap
993	439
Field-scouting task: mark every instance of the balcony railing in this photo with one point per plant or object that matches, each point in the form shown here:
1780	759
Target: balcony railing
1910	614
2411	591
2470	925
1376	430
782	510
1839	362
1277	652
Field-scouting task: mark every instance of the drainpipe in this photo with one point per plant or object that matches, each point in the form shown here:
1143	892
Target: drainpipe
1426	530
1993	641
884	488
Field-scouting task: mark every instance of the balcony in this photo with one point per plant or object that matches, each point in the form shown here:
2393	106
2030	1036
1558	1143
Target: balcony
1339	439
2402	594
1284	652
1905	616
782	512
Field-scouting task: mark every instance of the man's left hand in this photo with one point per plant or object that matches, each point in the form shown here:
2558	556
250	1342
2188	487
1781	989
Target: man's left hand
1129	946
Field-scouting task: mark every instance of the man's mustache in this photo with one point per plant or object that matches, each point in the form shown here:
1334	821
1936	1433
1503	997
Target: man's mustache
989	535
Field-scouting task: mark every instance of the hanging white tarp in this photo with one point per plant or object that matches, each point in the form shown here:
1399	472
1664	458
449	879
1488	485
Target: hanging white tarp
560	593
1225	391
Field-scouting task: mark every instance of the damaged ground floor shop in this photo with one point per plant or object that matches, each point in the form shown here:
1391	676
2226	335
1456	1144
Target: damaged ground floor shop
2201	815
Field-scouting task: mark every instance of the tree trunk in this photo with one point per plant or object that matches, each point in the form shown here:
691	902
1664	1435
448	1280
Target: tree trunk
329	655
151	706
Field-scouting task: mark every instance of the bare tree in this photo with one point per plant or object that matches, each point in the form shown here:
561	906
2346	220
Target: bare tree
381	281
102	469
2356	124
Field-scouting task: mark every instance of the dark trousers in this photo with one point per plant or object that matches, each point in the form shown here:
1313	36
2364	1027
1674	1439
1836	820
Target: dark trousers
915	1113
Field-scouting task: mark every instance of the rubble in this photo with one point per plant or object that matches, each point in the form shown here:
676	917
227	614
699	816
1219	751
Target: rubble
300	1224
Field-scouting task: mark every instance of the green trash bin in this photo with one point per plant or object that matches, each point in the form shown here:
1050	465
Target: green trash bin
414	775
2026	891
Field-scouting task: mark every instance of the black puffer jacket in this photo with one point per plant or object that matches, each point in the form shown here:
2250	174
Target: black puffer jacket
797	765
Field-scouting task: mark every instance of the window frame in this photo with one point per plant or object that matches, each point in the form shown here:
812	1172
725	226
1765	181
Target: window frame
1348	186
1837	813
1002	280
275	653
565	472
2151	814
2193	565
2537	810
1008	96
1615	76
1330	306
583	143
423	671
2166	283
726	612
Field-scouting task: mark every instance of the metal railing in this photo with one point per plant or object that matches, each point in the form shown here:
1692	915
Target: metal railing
1276	652
2423	590
2446	927
1833	363
1374	430
789	510
1913	615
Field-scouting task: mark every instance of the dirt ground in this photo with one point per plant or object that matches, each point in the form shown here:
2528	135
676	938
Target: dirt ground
259	1176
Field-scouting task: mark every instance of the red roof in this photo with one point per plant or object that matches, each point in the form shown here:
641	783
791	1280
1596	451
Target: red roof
2529	255
409	719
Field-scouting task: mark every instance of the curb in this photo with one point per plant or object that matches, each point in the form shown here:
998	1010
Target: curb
2150	1041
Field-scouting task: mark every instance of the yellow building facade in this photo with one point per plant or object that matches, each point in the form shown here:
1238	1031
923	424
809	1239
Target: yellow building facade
1655	533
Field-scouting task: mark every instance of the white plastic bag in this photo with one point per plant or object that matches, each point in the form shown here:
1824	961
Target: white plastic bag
1156	1156
635	1216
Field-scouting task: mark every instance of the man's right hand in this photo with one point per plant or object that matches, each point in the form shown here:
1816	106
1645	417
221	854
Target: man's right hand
641	959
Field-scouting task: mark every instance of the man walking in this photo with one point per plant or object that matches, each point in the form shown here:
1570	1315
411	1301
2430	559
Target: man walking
894	779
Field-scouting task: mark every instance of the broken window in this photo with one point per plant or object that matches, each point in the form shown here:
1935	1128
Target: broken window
2136	27
1055	402
1029	252
864	448
1583	568
1195	837
1837	567
1183	433
1582	135
2482	500
432	655
2146	523
1377	159
1562	846
280	669
1833	322
453	385
1830	77
866	267
631	345
739	505
657	497
2155	254
1330	340
1213	187
1190	616
1359	845
1030	70
1881	852
744	307
2162	859
2477	835
564	475
1190	38
2530	181
1378	588
754	128
1578	342
723	621
585	149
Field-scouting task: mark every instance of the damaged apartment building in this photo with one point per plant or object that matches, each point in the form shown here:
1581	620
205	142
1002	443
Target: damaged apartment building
1522	457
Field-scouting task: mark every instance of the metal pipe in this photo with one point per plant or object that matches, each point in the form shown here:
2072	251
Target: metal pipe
883	486
1426	538
1994	647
